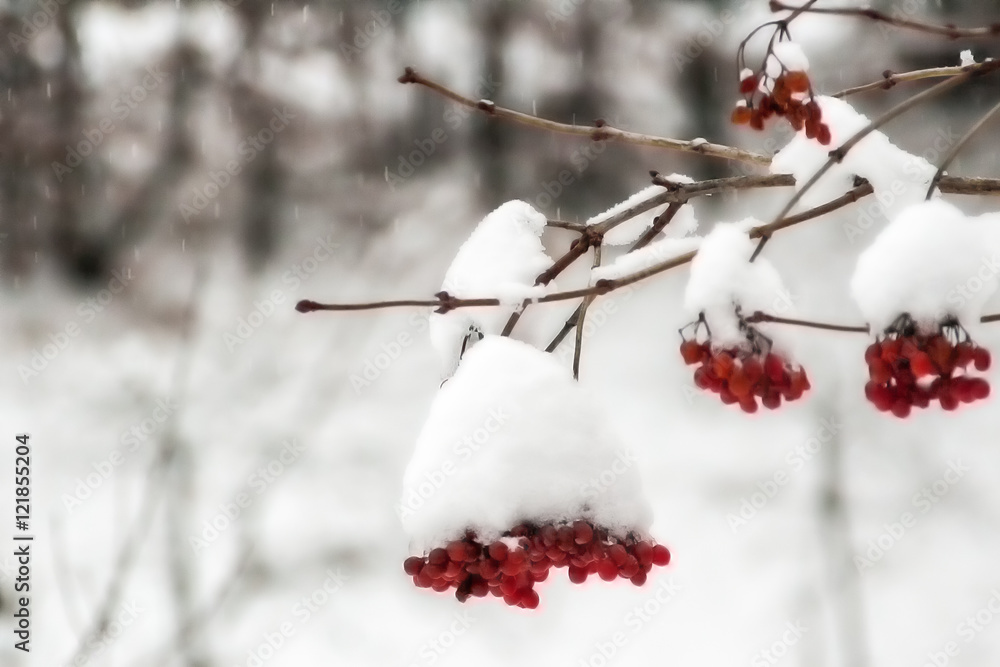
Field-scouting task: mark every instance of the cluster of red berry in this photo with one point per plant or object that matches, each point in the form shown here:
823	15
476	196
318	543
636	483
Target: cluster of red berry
742	376
510	568
790	98
910	369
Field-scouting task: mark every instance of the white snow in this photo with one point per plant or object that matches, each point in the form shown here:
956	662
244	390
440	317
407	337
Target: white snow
791	55
629	231
501	259
722	277
512	437
967	58
931	261
643	258
899	178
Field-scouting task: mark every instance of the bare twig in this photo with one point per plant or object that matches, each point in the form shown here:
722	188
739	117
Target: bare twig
949	31
764	317
956	149
600	131
582	317
890	78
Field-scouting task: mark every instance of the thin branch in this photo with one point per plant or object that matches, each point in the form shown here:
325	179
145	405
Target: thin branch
581	318
566	224
601	131
949	31
764	317
890	78
956	149
445	302
837	155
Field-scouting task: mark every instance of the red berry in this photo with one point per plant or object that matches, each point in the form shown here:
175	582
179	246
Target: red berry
982	359
691	352
498	551
644	553
748	404
774	368
722	365
583	533
980	389
413	565
639	578
901	408
748	84
437	557
661	555
607	569
577	575
529	599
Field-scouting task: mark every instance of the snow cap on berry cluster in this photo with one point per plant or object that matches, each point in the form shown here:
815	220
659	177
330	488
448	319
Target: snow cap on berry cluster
899	178
513	438
682	224
787	55
722	278
932	261
501	259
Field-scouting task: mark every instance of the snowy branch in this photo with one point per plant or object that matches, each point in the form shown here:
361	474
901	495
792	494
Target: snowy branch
600	131
949	31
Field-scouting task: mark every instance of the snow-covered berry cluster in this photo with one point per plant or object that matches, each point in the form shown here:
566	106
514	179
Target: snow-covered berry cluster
745	373
782	89
910	369
508	568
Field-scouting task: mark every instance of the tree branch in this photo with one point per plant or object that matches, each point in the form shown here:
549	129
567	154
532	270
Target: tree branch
949	31
601	131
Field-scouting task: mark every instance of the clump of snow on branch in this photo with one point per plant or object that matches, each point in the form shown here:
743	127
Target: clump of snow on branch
501	259
722	278
512	437
643	258
787	54
629	231
932	261
899	178
967	58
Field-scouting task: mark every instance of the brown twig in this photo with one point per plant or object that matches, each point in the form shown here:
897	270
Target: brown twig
949	31
600	131
956	149
890	78
582	317
764	317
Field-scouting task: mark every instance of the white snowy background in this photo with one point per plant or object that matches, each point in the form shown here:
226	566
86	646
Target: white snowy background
334	403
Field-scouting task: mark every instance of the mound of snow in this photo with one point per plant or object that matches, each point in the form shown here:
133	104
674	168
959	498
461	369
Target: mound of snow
513	438
501	259
900	179
931	261
722	278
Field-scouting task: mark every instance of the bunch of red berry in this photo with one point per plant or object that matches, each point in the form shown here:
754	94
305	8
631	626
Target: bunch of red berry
909	369
790	97
739	376
510	567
